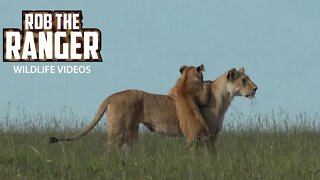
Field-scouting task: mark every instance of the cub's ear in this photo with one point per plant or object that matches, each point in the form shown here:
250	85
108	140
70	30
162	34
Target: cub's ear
200	68
232	74
182	68
242	71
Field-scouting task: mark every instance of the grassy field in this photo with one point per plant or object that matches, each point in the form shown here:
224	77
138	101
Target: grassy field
243	152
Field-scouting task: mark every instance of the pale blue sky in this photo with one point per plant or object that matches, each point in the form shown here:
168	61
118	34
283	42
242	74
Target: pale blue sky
144	42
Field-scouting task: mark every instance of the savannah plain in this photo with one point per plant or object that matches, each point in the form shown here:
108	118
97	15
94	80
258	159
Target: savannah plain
274	145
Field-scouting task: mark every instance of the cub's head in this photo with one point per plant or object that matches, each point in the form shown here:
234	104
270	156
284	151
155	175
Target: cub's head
190	79
192	73
240	84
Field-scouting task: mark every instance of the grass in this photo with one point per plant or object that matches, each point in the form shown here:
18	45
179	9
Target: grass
243	152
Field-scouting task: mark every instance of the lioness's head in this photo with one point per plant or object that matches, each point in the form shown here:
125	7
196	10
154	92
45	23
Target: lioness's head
192	72
240	84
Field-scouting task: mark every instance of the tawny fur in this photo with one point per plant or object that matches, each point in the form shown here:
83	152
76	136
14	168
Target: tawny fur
187	89
127	109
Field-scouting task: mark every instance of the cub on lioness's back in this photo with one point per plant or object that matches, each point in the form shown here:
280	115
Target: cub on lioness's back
190	92
126	110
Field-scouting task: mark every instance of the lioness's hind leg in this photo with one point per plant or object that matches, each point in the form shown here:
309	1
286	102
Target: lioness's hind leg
115	140
116	130
131	136
116	136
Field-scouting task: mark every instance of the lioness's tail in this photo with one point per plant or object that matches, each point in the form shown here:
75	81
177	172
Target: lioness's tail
103	107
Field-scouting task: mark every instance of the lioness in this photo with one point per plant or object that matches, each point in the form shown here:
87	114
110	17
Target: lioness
127	109
190	92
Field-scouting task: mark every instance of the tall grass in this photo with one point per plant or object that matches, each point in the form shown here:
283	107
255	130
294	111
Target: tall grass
263	146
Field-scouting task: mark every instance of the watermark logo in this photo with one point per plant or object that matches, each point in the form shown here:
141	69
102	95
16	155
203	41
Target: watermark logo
52	36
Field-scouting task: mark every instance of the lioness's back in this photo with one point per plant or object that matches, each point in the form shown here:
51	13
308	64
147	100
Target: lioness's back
155	111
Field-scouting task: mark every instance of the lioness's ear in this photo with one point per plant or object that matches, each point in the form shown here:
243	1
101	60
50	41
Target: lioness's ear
200	68
182	68
241	70
232	74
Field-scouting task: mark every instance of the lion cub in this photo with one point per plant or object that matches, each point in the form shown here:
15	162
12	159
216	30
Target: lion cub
190	93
